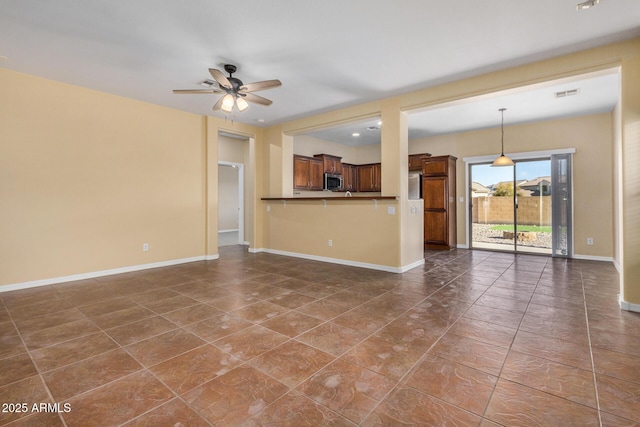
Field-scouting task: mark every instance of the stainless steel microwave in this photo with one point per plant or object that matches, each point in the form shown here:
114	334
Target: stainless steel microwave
332	182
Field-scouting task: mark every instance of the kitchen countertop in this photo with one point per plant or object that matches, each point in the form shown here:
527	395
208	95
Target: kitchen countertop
332	198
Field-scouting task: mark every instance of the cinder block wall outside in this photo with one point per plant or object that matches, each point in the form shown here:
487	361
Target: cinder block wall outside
534	210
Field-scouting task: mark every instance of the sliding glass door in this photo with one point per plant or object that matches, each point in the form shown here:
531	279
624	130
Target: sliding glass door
522	208
562	213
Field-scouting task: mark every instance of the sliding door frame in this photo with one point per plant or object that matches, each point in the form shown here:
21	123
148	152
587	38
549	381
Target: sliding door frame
530	155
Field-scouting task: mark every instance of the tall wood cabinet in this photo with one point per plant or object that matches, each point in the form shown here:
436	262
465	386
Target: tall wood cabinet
439	194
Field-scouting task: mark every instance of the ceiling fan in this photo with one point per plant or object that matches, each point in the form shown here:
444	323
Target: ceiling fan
237	93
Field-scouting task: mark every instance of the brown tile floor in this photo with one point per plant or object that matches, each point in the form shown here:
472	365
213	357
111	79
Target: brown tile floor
473	338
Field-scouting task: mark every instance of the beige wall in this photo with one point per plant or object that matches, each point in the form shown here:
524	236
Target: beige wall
361	230
591	136
306	145
88	177
631	178
228	195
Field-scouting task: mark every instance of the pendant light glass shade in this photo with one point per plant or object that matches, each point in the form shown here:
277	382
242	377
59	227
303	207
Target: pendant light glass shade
502	160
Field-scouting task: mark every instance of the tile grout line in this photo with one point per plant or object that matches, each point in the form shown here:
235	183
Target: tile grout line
593	365
514	337
37	369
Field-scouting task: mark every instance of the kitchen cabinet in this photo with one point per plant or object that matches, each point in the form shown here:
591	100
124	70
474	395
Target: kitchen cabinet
307	173
369	177
415	161
331	164
439	194
349	177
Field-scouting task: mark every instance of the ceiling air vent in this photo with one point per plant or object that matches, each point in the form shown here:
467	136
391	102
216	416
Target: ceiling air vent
209	83
566	93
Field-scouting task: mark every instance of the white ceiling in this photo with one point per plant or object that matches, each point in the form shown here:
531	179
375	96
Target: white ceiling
595	94
327	54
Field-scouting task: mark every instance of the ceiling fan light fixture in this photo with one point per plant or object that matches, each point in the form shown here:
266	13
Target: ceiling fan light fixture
502	160
227	103
242	104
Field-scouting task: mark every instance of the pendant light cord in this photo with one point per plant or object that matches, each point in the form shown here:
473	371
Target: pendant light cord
502	128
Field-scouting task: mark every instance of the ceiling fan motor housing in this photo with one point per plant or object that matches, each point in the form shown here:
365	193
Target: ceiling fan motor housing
235	83
230	68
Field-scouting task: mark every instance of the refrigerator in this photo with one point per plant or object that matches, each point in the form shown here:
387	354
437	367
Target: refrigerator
415	186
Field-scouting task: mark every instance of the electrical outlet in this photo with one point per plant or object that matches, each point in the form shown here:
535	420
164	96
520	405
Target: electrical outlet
268	208
391	210
330	242
145	247
589	240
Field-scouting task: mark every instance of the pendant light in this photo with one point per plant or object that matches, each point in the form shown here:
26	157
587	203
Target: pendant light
502	160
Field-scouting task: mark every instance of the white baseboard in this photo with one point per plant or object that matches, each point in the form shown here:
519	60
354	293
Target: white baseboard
461	246
211	257
94	274
616	264
340	261
593	258
629	306
406	268
231	230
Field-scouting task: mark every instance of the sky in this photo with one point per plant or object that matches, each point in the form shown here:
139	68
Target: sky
487	175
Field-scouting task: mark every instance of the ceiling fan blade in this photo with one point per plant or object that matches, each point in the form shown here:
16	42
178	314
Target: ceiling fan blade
254	87
249	97
218	104
198	91
220	78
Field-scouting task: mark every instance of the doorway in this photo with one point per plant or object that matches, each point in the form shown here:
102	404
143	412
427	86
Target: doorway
230	203
524	208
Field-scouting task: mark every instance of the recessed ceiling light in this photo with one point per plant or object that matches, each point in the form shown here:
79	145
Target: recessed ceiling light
355	134
260	120
587	4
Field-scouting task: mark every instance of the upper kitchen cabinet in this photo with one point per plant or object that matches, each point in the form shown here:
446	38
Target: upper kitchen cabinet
307	173
350	177
415	161
331	164
369	177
